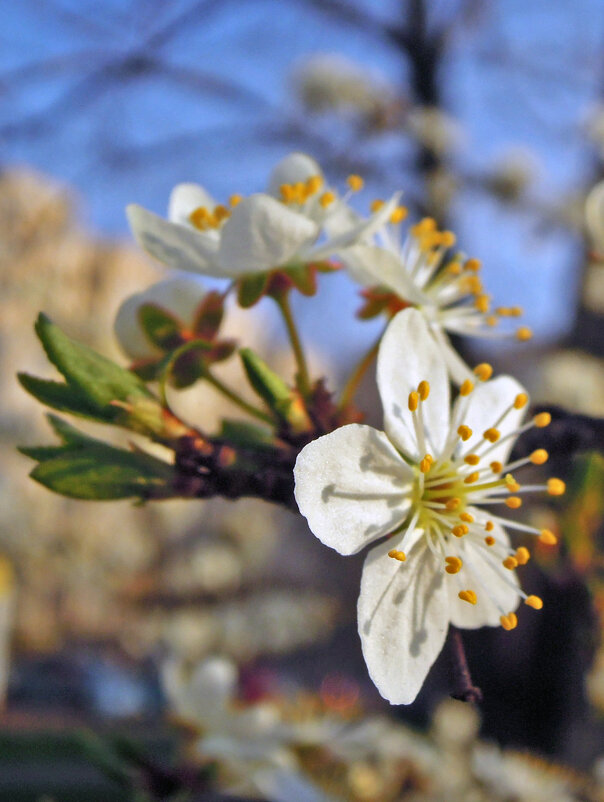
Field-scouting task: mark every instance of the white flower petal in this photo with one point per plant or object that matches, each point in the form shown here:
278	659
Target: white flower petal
409	354
179	295
371	266
184	199
352	486
177	246
496	588
403	618
290	170
262	234
458	369
204	696
283	785
485	405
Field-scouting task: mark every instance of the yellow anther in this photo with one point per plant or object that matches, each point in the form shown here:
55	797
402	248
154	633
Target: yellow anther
454	565
466	388
510	563
221	213
482	303
448	239
326	199
460	530
468	596
492	435
474	285
539	457
492	320
472	459
496	466
376	205
489	526
542	420
535	602
523	334
484	371
426	463
513	502
200	217
471	478
489	540
235	199
426	224
300	192
314	184
473	264
465	516
511	484
423	388
454	269
453	504
555	487
397	555
509	621
288	193
520	401
548	538
413	401
355	182
464	432
515	311
522	555
399	214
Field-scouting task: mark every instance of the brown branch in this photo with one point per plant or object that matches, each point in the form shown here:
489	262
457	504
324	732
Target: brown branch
463	687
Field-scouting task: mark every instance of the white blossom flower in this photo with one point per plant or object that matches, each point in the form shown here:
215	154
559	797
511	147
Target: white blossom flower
413	272
250	743
297	222
446	560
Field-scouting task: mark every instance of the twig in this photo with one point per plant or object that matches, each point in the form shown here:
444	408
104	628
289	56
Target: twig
463	687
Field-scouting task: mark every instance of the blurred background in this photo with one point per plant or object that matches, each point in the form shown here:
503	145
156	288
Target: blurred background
490	116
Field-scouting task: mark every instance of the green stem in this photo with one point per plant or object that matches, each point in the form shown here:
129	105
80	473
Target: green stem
355	378
282	301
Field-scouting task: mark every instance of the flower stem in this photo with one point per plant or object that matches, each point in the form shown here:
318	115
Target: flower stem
355	378
303	378
463	687
237	399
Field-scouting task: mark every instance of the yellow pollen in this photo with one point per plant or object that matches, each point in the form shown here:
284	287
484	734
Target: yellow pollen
511	484
471	478
474	285
460	530
200	217
556	487
473	264
464	432
520	401
397	555
326	199
235	199
515	311
513	502
376	205
454	269
482	303
535	602
287	193
509	621
510	563
472	459
539	456
492	435
466	388
221	213
523	334
454	565
468	596
423	388
542	420
484	371
413	401
399	214
489	540
489	526
452	504
426	463
448	239
355	182
314	184
465	516
496	467
492	320
548	538
522	555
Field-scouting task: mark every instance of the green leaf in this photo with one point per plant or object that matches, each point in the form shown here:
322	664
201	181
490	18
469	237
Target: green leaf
65	398
251	289
244	433
161	328
97	379
209	316
304	278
